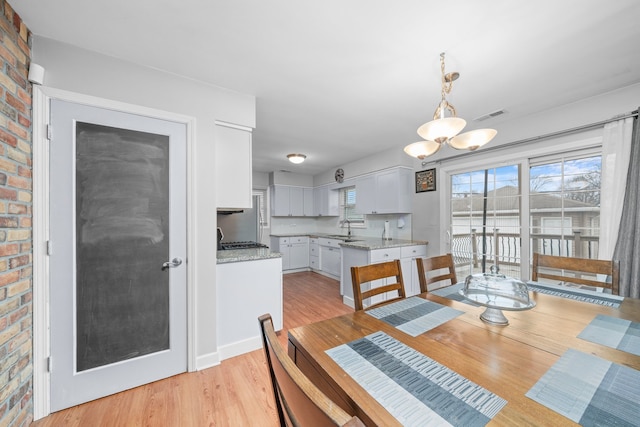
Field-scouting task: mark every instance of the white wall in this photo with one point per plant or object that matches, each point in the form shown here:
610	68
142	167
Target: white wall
426	206
77	70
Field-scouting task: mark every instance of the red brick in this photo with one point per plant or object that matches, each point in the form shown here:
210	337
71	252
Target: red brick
16	208
10	277
3	323
18	130
9	249
25	172
19	182
3	178
15	103
23	95
18	314
6	194
19	261
25	247
24	121
25	222
8	56
9	222
19	79
26	298
7	137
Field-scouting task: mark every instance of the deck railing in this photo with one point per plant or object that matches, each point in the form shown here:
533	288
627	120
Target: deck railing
503	249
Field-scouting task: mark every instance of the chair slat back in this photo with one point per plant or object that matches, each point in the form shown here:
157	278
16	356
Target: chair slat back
426	266
298	400
361	275
573	270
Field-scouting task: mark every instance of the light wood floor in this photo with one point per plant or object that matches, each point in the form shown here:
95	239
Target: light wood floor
235	393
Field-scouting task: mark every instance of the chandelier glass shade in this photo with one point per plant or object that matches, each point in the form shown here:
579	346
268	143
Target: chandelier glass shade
446	130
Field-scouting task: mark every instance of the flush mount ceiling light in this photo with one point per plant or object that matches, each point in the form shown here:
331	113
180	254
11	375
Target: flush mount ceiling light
444	130
296	158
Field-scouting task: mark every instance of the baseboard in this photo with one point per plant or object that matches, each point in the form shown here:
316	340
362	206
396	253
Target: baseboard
207	361
348	301
240	347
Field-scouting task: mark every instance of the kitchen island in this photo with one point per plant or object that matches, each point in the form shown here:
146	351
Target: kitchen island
249	284
365	251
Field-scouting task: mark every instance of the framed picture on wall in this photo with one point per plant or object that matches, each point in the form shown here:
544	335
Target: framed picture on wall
426	180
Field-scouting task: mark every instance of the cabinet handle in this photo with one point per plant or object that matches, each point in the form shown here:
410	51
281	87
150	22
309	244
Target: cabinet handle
386	255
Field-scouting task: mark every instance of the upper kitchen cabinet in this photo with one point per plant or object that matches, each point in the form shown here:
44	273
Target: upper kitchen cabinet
233	166
291	201
385	192
326	201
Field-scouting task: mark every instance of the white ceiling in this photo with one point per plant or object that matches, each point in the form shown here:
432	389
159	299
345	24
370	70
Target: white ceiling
341	79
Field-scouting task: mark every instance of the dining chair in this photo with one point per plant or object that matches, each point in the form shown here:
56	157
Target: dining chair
573	270
298	400
429	272
361	275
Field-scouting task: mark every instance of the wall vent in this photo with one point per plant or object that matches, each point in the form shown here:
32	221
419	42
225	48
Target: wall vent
489	115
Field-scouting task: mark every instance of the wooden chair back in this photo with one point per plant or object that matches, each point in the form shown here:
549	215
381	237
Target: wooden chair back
298	400
426	266
360	275
567	269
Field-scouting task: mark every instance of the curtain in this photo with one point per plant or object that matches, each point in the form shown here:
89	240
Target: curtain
616	146
628	246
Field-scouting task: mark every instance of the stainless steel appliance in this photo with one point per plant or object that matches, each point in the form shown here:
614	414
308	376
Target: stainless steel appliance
240	228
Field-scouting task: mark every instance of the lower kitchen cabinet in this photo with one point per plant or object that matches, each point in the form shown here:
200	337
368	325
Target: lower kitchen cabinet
357	256
294	250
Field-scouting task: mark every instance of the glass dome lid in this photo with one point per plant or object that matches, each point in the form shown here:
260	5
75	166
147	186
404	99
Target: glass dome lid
496	292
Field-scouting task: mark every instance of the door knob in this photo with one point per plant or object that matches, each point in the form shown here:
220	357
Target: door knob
172	264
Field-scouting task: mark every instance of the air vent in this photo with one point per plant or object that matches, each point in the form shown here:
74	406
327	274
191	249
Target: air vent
490	115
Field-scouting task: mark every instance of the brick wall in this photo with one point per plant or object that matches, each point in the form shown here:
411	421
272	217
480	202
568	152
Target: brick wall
16	384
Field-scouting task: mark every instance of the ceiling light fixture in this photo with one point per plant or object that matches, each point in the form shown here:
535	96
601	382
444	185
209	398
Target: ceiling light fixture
444	130
296	158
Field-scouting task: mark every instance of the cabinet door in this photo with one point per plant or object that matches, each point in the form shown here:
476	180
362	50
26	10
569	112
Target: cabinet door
233	167
308	202
296	201
298	255
280	200
366	194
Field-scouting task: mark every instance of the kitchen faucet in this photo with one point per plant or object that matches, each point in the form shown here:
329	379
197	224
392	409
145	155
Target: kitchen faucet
348	227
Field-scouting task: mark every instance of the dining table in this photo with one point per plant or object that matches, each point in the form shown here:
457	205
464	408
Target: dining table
540	369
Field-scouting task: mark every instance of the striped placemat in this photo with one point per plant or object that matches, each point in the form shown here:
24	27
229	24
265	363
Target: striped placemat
415	389
613	332
453	292
414	315
590	391
578	294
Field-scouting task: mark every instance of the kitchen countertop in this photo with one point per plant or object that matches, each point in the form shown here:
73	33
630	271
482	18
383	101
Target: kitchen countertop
241	255
365	243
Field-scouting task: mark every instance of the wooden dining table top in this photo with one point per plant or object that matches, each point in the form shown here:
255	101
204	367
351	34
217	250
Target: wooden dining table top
506	360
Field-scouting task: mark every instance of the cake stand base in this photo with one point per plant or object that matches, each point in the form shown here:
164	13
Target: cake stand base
494	316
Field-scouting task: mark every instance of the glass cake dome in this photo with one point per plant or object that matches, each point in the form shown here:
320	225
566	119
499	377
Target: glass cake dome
497	292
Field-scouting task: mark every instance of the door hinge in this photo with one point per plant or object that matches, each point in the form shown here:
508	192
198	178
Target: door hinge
49	132
49	364
49	247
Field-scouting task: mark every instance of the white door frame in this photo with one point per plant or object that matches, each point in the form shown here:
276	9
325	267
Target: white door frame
40	146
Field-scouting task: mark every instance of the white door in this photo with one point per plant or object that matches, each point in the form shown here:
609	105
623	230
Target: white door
117	215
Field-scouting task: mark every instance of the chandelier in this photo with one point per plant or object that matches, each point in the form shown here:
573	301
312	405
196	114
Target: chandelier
444	130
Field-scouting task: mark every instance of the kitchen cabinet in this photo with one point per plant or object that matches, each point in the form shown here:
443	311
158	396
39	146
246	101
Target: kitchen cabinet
408	256
291	201
330	256
326	201
314	254
246	290
233	166
385	192
359	256
294	250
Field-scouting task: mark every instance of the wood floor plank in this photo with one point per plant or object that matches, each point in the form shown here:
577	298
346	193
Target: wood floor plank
235	393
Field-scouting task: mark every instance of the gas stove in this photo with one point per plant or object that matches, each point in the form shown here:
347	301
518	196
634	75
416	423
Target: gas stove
226	246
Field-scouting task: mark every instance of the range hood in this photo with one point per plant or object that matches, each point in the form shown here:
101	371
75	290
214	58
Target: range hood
229	211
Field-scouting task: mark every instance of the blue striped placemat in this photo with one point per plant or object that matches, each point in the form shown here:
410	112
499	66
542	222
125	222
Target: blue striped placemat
415	389
578	294
590	391
613	332
453	292
414	315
